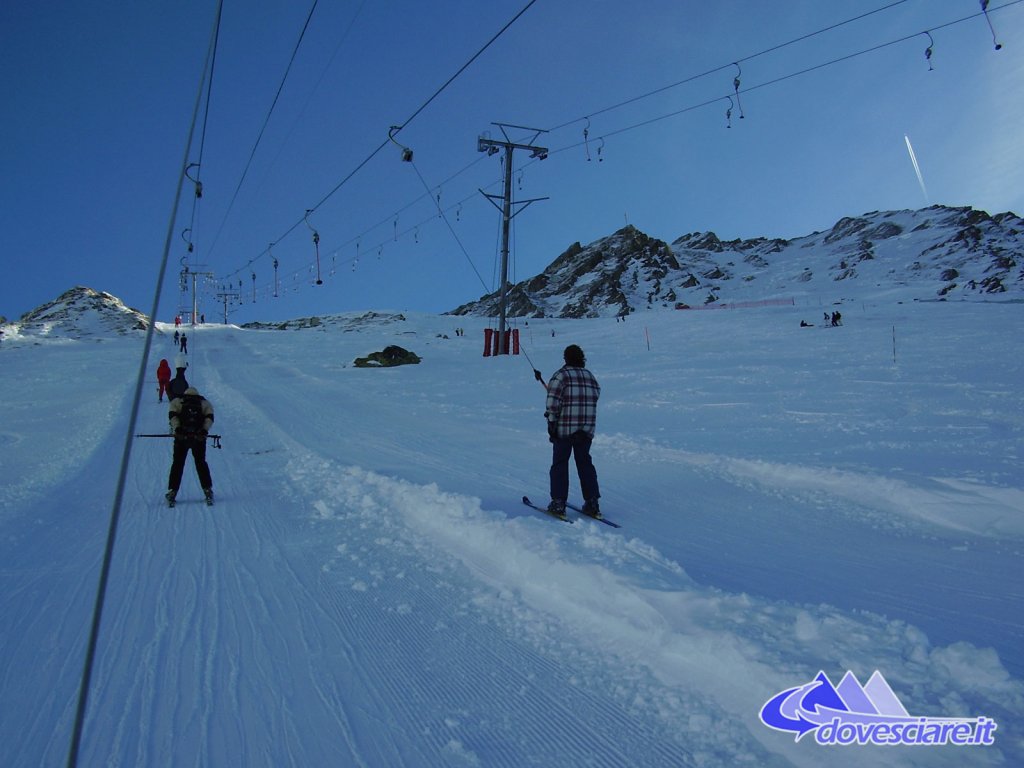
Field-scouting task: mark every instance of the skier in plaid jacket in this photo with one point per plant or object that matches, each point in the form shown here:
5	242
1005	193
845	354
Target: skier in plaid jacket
571	414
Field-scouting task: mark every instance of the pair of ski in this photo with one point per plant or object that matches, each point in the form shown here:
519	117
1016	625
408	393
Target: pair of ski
172	502
605	520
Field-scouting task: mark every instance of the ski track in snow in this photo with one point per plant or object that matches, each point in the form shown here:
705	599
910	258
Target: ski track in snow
490	691
993	512
322	613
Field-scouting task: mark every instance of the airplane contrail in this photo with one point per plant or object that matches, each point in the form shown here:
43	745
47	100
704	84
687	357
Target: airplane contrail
917	169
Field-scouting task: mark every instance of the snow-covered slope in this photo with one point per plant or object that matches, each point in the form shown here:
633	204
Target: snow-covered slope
937	252
369	590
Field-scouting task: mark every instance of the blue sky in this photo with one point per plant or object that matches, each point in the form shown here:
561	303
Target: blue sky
98	101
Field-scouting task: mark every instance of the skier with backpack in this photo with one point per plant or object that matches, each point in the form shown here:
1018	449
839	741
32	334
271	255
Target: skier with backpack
179	383
191	417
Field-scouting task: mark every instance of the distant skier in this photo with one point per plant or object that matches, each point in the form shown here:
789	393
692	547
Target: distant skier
191	417
179	383
163	378
184	344
571	415
177	340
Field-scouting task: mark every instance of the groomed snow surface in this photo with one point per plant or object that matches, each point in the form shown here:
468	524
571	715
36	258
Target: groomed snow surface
370	591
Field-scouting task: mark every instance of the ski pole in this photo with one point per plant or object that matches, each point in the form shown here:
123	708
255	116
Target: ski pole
215	438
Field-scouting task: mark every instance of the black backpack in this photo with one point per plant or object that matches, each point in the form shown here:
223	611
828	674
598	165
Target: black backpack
190	417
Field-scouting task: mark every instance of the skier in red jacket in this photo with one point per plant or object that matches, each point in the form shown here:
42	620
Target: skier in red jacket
163	378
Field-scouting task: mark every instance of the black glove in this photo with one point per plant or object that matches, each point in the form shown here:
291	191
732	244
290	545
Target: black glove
552	431
537	376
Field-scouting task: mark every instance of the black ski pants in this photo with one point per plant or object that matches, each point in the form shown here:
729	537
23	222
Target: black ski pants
578	446
182	445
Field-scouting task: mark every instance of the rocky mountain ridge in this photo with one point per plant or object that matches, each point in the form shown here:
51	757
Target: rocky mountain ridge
936	252
81	312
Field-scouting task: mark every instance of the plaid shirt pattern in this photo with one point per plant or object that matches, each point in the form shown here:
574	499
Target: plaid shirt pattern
572	401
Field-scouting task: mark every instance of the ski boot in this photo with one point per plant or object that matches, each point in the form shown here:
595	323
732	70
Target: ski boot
557	508
592	509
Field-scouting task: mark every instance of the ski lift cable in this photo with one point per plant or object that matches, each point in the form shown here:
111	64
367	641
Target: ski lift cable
721	67
97	615
266	122
411	229
465	66
323	74
397	128
679	111
762	85
202	141
775	81
316	87
829	62
394	129
356	239
428	193
587	133
872	49
451	229
386	220
209	94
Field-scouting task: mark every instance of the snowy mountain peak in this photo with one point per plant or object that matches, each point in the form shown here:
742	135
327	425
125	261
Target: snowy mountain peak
81	313
601	278
936	252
